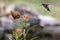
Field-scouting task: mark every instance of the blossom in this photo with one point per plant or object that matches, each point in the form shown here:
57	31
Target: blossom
18	30
26	16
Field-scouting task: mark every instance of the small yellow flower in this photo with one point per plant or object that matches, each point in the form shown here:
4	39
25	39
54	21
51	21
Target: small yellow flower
26	16
18	30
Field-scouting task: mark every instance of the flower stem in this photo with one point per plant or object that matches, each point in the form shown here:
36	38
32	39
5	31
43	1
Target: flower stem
24	34
16	36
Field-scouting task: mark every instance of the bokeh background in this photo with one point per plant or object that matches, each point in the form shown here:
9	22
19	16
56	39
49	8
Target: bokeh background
54	6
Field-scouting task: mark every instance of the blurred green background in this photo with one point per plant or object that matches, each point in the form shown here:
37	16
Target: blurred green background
36	4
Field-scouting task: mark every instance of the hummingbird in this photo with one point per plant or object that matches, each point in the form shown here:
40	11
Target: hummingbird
46	6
